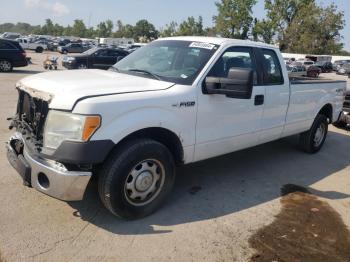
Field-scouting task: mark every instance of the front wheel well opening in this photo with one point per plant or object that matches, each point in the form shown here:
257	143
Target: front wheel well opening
327	111
163	136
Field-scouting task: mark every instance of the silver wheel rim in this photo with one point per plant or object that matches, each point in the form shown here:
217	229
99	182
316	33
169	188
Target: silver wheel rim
319	135
144	182
5	66
82	66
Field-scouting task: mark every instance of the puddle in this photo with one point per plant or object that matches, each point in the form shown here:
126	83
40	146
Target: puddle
306	229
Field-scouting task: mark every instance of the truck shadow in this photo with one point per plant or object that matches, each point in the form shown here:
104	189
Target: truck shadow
229	184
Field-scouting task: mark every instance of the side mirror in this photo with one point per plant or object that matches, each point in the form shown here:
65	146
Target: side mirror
238	84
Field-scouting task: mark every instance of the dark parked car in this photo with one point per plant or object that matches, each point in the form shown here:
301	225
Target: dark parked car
11	55
313	71
326	67
72	48
99	58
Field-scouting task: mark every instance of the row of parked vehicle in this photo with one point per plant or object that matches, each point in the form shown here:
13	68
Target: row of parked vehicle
342	67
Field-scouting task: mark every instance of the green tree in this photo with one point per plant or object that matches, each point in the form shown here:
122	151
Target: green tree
234	19
169	30
102	30
109	27
263	31
48	28
191	27
79	28
315	30
126	31
144	31
305	27
281	14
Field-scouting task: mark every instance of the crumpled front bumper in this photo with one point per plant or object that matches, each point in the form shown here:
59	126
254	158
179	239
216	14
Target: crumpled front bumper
46	176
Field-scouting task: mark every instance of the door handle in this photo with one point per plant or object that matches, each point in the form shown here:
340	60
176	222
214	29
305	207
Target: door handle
259	100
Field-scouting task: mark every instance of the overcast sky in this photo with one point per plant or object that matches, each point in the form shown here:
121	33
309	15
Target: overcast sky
159	12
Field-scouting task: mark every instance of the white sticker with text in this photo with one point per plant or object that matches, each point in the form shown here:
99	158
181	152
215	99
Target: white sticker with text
202	45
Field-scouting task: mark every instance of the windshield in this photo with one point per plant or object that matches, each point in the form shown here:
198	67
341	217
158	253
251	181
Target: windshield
91	51
174	61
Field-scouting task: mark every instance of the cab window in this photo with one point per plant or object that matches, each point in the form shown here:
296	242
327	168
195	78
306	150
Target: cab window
272	68
234	57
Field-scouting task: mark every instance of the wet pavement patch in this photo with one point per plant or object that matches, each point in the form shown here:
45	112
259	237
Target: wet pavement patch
306	229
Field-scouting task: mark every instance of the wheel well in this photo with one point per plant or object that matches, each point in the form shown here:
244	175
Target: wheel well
327	111
162	135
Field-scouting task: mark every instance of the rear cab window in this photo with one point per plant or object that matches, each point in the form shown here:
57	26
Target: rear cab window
272	71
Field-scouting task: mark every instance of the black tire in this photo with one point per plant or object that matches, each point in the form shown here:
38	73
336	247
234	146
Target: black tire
39	49
115	175
5	65
65	52
307	139
82	66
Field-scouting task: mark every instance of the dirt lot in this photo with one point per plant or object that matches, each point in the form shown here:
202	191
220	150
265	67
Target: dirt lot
215	208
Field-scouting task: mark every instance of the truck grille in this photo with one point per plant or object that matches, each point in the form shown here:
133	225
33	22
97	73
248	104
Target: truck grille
32	113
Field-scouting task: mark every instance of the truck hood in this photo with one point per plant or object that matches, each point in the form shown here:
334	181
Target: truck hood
64	88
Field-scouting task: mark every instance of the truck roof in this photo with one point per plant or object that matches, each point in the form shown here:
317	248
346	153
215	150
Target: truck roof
220	41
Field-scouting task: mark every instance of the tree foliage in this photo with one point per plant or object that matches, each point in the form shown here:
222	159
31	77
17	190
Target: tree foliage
305	27
234	19
301	26
191	27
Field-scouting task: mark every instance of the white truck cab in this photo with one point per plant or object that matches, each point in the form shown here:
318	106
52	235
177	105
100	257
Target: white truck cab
27	44
175	101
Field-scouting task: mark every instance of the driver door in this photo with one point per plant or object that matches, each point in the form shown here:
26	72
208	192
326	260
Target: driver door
227	124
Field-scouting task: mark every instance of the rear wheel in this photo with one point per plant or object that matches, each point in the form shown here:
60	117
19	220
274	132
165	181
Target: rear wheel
137	178
82	66
5	66
39	49
312	141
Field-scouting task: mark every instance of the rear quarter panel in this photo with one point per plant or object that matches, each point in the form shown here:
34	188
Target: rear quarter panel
307	98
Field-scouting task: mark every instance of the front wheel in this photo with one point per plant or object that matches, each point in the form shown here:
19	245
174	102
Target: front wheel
312	141
137	178
5	66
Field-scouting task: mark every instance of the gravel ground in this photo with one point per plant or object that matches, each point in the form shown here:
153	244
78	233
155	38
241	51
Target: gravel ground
216	205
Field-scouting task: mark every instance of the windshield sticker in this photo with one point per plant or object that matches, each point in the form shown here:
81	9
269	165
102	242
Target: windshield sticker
184	76
202	45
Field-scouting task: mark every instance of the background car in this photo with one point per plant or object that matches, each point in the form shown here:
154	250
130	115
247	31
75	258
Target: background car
313	71
26	43
339	63
296	71
72	48
344	69
326	67
99	58
11	55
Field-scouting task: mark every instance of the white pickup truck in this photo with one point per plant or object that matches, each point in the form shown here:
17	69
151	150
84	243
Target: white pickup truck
175	101
26	43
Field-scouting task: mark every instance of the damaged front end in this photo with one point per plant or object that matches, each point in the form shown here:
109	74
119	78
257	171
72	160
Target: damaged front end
24	151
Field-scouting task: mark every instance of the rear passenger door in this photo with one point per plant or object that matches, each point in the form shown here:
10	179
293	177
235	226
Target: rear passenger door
276	95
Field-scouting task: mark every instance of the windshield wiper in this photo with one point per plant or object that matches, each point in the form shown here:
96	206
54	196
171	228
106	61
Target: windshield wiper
145	72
